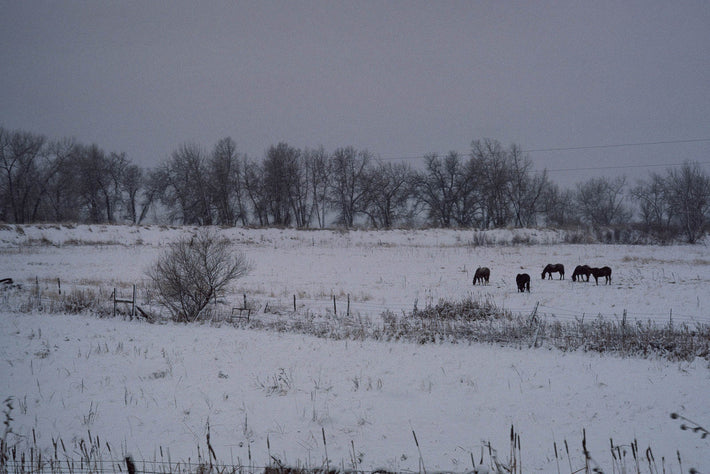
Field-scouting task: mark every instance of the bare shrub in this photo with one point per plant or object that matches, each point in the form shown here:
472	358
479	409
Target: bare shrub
482	322
482	239
194	271
80	300
467	309
278	384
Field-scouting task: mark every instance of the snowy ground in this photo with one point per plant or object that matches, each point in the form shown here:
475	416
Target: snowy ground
143	387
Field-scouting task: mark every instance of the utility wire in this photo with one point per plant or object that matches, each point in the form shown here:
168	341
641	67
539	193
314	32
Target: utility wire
590	168
618	145
579	148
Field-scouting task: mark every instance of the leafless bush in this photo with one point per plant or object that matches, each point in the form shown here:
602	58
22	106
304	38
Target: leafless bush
482	239
467	309
194	271
80	300
483	322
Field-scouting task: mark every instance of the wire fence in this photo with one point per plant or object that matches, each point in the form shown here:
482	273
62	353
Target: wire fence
268	309
374	309
69	466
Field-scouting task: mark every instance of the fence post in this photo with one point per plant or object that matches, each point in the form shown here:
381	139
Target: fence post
335	309
59	285
114	302
348	312
294	303
133	305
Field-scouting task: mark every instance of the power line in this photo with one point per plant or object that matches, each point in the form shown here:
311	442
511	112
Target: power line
578	148
618	145
596	168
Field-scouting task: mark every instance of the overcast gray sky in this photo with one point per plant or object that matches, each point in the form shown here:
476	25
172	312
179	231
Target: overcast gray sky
399	78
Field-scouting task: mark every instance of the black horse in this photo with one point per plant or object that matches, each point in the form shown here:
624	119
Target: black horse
581	271
550	269
482	274
602	272
523	282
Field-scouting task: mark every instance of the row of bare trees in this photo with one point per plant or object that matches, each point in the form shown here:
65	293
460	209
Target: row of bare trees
492	186
64	181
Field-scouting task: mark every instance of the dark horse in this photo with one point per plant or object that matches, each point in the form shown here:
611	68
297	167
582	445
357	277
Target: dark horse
581	271
523	282
550	269
602	272
482	274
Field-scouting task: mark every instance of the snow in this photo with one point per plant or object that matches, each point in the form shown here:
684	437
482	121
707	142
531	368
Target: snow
143	387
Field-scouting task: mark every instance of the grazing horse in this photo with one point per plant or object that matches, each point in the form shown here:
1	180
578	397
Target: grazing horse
523	282
602	272
581	271
550	269
482	274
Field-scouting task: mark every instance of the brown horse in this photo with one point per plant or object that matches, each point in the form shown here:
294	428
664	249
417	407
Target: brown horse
550	269
602	272
482	274
523	282
581	271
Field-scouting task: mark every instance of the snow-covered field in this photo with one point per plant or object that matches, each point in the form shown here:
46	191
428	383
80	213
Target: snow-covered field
141	387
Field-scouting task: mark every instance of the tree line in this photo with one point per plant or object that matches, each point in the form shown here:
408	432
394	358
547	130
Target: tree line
492	186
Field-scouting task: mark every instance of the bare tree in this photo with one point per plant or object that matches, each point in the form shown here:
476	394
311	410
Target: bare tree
20	155
194	271
154	184
494	172
254	188
63	197
448	189
559	207
281	180
689	199
300	190
132	186
390	190
54	200
100	179
349	189
225	183
318	167
601	201
526	190
185	192
653	198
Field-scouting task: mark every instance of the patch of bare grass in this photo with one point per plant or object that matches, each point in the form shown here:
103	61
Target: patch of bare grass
91	243
649	260
22	454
